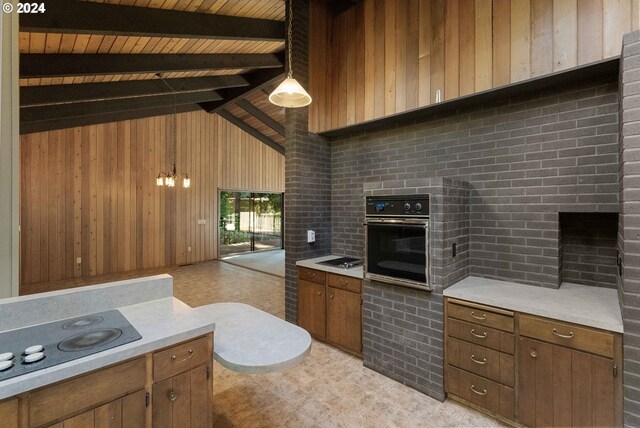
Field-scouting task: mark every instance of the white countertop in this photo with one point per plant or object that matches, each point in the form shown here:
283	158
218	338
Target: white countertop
355	272
249	340
580	304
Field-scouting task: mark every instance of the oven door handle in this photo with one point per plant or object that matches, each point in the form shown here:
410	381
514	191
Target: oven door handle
408	223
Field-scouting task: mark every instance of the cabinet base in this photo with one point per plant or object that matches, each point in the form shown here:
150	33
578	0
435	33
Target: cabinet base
485	411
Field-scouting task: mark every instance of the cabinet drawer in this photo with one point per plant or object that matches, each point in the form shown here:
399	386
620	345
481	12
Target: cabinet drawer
345	282
481	315
181	358
65	399
312	275
482	335
498	399
482	361
569	335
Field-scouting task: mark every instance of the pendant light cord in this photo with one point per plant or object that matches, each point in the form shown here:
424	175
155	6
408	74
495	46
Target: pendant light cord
290	38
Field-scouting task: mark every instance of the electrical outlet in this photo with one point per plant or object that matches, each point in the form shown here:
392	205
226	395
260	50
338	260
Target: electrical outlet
189	249
311	236
201	221
79	260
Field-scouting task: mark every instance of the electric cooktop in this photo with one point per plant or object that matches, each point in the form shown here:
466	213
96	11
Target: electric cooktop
343	262
37	347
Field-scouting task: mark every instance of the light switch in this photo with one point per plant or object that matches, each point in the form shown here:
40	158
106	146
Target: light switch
311	236
201	221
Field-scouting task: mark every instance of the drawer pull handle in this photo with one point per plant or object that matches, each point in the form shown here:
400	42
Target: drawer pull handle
479	336
331	295
172	396
483	317
533	353
483	392
564	336
342	282
311	274
483	362
175	360
319	293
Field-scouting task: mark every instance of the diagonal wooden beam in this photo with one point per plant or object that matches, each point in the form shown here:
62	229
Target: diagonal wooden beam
56	65
80	17
93	119
251	131
261	116
54	94
64	111
257	80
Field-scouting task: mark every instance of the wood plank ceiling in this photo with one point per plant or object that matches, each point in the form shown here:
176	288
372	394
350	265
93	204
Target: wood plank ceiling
78	67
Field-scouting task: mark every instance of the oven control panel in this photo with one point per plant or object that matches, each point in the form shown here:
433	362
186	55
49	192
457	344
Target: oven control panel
398	206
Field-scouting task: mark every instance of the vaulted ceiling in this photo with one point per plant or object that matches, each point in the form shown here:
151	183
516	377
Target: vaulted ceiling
87	62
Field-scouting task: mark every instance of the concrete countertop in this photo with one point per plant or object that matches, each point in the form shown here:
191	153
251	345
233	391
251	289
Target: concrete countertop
579	304
355	272
249	340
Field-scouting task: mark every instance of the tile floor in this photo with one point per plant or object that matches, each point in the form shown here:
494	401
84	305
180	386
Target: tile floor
329	389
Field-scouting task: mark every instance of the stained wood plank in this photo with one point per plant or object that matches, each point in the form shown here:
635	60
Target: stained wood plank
483	45
589	31
424	47
437	49
452	49
541	37
390	57
467	47
520	40
565	34
616	21
369	59
501	42
401	55
379	67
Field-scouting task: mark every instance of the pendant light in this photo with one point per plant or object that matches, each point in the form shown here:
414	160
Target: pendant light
290	93
169	178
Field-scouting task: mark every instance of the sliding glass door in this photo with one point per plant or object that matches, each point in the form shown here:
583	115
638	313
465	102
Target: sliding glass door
250	221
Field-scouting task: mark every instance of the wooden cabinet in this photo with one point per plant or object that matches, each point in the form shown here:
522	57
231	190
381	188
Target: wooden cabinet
9	413
344	318
312	308
182	392
330	308
560	386
480	366
126	412
565	374
183	400
167	388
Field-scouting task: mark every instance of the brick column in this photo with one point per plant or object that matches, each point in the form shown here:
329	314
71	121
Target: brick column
629	229
307	173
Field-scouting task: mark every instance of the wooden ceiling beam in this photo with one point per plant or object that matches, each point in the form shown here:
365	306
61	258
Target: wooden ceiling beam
257	80
66	111
80	17
251	131
59	65
54	94
261	116
93	119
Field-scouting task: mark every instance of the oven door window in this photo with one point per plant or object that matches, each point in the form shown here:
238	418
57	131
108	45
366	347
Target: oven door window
397	251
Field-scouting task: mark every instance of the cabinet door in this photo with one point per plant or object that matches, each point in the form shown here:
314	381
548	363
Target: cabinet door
9	413
311	307
344	318
183	400
127	412
563	387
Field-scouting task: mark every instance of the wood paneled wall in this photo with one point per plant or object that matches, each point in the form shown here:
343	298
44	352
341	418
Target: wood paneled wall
90	193
384	57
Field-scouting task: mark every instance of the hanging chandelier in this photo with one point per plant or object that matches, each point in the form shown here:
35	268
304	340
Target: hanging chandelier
290	93
170	177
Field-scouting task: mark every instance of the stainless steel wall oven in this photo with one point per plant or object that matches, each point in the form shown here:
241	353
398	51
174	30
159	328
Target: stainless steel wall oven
397	240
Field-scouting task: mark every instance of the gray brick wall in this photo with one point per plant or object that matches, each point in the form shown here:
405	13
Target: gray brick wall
526	158
588	248
307	201
403	327
629	230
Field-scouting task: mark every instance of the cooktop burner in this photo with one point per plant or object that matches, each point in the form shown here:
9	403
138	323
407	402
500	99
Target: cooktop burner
343	262
40	346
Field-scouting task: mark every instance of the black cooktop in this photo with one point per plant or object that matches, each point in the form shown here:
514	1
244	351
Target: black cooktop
343	262
62	341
